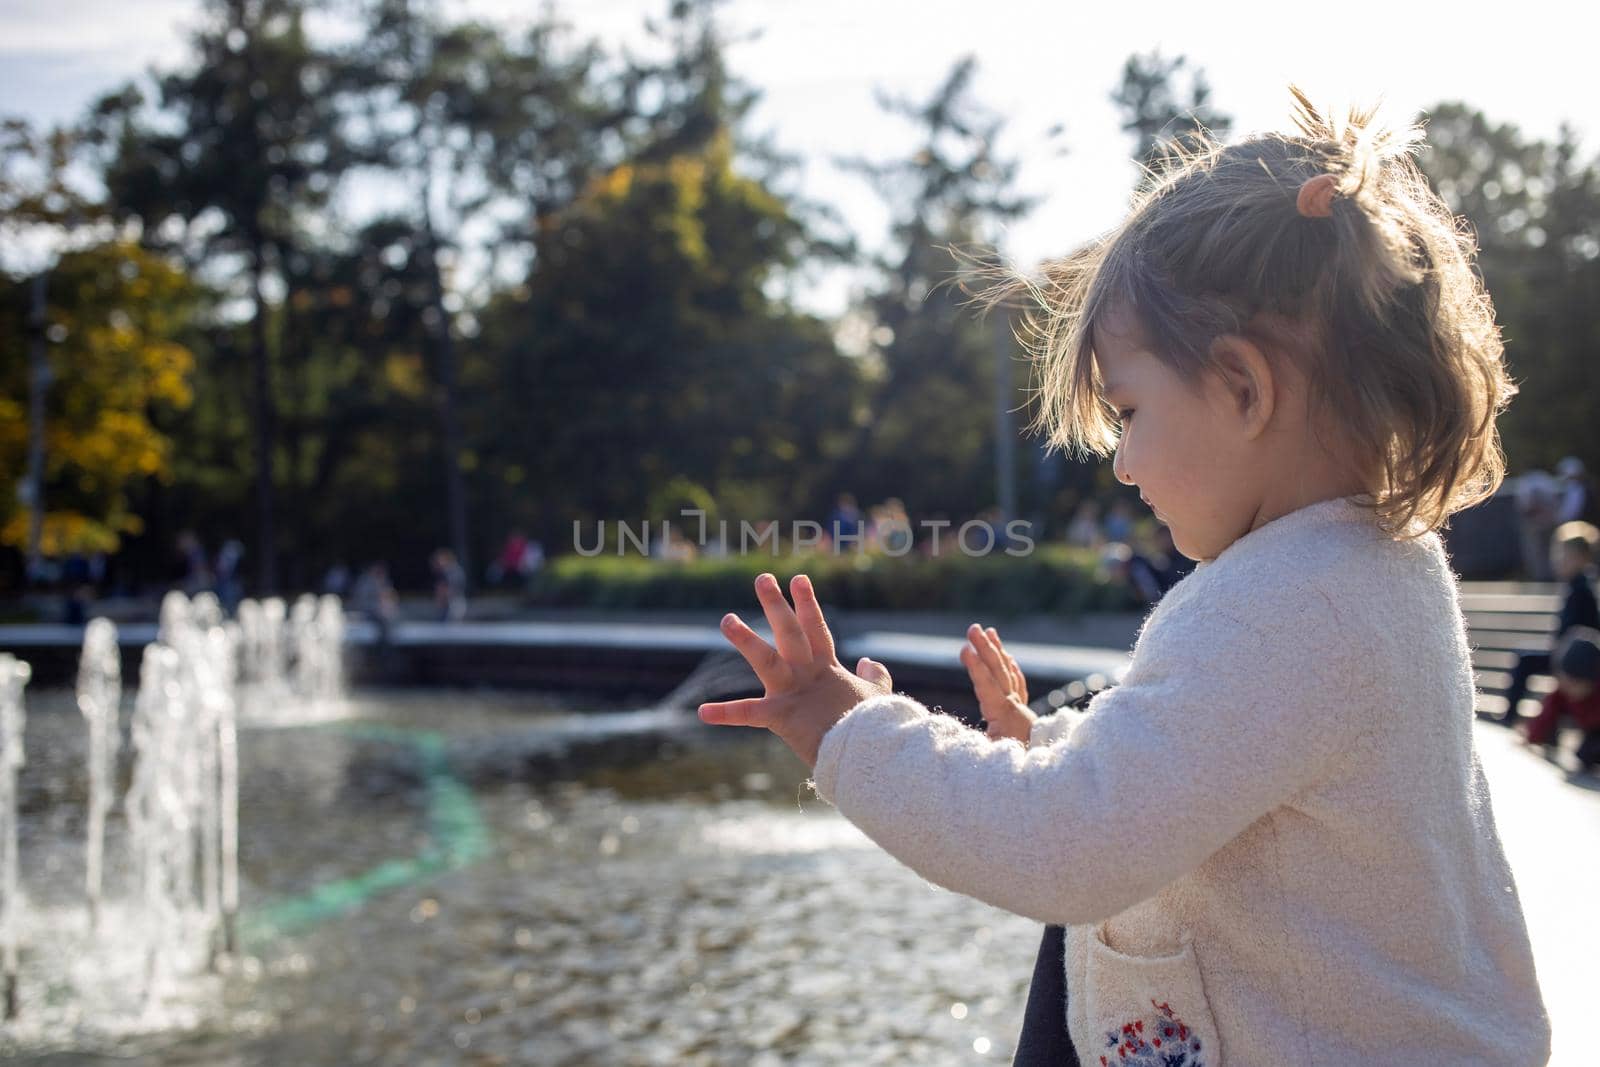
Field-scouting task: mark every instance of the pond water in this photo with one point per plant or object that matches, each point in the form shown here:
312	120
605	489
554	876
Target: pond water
437	877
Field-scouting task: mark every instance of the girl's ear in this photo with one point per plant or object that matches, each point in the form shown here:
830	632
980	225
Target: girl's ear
1246	377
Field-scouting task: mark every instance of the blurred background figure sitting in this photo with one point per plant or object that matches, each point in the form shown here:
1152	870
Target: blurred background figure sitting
373	595
672	546
1574	490
1152	573
449	586
230	589
1538	499
1084	529
889	528
1577	695
848	521
519	558
193	573
1572	550
1119	521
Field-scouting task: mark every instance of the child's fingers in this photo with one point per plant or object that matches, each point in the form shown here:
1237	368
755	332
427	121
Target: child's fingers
874	672
984	682
1019	683
767	664
991	654
752	711
1013	672
786	631
811	620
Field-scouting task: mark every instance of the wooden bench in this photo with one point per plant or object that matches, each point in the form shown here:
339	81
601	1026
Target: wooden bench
1504	618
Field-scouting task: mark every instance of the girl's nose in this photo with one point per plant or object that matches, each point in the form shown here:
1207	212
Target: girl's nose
1117	467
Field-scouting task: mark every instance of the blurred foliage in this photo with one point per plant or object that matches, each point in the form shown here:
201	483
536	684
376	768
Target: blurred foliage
1052	579
580	305
930	438
1534	207
1156	114
113	315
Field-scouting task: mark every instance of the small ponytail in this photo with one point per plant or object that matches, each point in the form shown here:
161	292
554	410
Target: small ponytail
1366	283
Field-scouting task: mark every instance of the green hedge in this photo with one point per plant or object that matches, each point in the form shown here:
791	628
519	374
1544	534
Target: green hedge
1053	579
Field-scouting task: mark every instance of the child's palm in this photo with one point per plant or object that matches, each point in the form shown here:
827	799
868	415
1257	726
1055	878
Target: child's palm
1001	689
807	689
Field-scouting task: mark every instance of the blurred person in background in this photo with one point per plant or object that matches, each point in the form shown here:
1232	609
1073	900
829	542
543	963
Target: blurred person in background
1574	547
449	586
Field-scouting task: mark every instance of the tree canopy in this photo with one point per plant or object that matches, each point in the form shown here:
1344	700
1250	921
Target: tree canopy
430	281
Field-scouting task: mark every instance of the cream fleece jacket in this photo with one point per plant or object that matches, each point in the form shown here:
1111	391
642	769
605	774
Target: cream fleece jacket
1271	845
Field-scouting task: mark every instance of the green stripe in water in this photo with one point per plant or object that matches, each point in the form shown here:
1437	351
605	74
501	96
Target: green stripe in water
460	838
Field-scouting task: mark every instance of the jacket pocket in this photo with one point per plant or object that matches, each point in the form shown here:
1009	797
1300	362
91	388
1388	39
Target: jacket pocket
1147	1011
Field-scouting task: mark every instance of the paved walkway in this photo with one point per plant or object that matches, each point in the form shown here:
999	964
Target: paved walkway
1549	822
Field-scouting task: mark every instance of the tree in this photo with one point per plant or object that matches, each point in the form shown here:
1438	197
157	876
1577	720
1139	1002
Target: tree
929	437
38	200
114	311
1155	112
247	143
1534	207
645	347
648	344
462	115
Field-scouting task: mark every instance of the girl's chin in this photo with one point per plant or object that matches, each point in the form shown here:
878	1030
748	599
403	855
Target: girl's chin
1183	550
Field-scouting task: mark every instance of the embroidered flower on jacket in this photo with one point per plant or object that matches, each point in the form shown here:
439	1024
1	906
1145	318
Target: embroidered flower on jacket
1166	1042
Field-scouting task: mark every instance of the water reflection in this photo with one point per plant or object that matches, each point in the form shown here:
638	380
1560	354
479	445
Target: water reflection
650	892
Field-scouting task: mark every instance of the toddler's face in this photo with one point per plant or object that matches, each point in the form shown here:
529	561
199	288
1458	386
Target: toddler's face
1175	446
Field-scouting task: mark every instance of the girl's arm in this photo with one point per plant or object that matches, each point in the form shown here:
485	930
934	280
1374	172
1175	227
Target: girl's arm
1214	726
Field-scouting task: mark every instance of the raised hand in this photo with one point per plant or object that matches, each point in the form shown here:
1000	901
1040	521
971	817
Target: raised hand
998	682
808	689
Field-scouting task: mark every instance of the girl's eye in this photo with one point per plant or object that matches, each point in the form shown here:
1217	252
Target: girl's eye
1124	415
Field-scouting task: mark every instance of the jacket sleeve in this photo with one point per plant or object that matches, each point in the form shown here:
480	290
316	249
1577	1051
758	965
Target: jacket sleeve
1057	726
1212	728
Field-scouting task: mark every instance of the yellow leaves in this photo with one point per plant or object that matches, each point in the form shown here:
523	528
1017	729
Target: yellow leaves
615	184
167	368
66	532
403	372
116	357
687	176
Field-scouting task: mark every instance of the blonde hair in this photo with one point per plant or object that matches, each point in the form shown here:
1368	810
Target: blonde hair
1378	304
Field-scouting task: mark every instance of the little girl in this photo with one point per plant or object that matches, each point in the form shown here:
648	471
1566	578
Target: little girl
1271	845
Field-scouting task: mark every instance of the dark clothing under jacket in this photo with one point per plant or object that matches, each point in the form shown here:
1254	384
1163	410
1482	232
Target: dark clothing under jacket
1045	1041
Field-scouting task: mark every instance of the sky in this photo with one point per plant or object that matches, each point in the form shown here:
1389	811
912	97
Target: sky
1040	65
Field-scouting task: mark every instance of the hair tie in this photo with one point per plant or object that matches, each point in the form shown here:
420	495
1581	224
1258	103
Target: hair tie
1316	196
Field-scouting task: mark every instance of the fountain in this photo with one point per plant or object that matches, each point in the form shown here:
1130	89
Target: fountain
14	676
446	876
721	673
166	914
290	665
99	698
183	801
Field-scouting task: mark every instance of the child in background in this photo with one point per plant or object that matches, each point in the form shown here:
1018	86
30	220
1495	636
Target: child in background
1572	551
1577	694
1272	842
